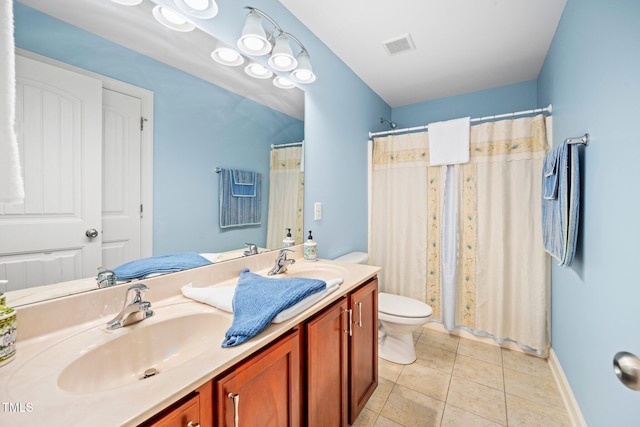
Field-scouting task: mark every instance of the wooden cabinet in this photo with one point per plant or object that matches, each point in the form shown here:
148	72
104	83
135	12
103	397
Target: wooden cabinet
263	390
320	374
363	347
342	358
194	410
326	366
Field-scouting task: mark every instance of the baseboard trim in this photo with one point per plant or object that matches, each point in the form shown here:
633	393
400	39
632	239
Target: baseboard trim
570	403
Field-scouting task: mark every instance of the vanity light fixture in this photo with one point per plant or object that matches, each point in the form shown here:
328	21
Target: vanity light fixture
282	58
283	83
254	40
171	19
226	56
202	9
258	71
304	73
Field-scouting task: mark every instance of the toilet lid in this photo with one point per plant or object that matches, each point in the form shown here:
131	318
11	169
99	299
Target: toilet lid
397	305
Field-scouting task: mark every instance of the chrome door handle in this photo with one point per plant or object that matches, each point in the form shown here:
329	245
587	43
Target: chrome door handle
360	314
192	424
350	320
91	233
236	404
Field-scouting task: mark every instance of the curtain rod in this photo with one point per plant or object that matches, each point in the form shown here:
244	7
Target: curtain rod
291	144
478	119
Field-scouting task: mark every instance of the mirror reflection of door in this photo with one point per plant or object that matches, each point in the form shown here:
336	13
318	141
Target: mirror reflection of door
50	238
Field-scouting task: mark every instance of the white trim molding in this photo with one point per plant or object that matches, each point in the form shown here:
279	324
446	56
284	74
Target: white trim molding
570	403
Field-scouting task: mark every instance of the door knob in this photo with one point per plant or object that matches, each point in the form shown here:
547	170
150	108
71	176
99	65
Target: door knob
91	233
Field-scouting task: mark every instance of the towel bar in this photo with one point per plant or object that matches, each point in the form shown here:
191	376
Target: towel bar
584	140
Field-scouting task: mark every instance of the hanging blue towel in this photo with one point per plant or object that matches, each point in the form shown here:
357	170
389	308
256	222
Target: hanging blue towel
242	210
550	175
560	214
258	300
169	263
243	183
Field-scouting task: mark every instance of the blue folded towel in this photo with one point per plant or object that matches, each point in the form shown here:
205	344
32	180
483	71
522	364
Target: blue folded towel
243	183
239	211
258	300
168	263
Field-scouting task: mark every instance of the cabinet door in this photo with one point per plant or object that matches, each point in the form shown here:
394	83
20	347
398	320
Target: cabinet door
363	348
263	390
327	341
194	410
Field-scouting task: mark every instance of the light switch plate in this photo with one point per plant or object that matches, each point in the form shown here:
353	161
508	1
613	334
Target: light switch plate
317	211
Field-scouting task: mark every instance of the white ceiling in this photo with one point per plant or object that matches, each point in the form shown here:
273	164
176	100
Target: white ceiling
462	46
134	27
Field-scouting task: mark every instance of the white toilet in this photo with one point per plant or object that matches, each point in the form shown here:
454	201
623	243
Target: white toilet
398	317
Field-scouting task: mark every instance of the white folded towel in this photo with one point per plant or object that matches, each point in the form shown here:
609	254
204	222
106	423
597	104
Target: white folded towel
11	184
221	297
449	142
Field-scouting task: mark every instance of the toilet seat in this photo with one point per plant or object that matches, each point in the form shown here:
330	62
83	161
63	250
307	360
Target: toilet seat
400	307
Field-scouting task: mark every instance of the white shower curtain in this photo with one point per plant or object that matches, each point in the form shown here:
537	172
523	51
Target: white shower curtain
286	195
501	271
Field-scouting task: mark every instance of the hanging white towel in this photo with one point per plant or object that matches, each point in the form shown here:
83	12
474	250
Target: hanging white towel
449	142
11	184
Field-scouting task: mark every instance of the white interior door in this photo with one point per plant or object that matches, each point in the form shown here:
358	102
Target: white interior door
121	207
58	119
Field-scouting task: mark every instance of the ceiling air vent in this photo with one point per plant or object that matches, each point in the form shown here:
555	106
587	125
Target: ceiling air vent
399	45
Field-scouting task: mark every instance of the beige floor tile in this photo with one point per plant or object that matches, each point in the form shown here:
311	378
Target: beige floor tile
522	412
478	399
386	422
389	370
456	417
366	418
380	396
439	339
478	350
410	408
479	371
543	391
432	382
435	357
526	363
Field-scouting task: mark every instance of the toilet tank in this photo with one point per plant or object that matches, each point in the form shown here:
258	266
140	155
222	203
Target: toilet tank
354	258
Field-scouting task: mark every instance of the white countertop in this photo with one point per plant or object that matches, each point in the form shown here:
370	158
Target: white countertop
59	331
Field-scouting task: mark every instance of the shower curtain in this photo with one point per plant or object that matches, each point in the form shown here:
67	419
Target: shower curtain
286	195
494	278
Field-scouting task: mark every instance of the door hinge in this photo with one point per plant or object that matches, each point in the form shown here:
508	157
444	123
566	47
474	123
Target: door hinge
141	209
142	120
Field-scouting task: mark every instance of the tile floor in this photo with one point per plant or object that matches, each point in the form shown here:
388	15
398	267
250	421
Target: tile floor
459	382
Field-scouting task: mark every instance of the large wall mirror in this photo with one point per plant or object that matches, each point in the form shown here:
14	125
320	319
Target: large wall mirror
203	116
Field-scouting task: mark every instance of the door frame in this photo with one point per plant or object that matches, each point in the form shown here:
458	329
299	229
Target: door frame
146	141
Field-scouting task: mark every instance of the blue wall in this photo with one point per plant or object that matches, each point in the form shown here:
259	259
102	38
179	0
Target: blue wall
340	110
592	77
504	99
197	127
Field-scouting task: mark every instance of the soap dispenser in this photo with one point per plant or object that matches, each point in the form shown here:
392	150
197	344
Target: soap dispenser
310	247
288	241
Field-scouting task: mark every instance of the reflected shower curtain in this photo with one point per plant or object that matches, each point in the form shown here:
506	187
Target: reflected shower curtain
286	195
502	273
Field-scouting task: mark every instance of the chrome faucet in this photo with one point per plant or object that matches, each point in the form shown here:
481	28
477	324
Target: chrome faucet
251	249
282	262
134	310
106	278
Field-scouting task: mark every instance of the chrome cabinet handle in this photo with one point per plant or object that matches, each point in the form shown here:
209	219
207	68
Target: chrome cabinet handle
350	321
236	403
192	424
91	233
360	314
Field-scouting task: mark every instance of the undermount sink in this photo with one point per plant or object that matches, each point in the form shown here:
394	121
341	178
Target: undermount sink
314	270
142	351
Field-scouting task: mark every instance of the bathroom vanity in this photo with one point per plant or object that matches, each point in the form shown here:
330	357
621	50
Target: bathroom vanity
318	368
